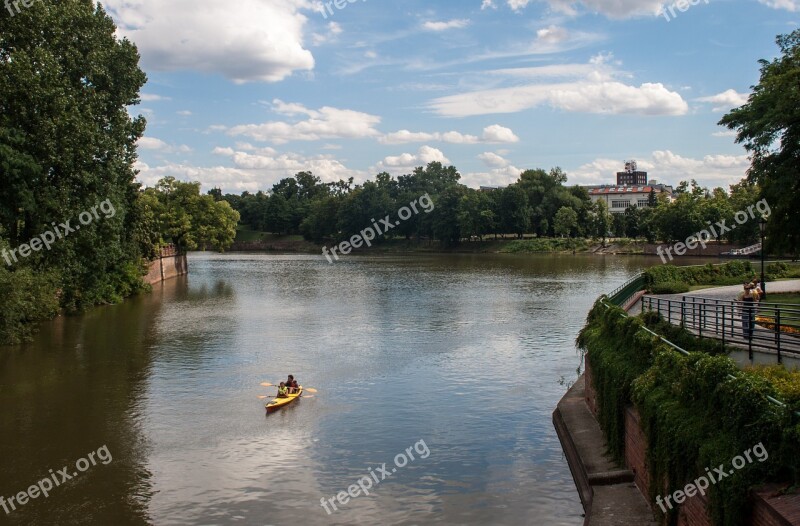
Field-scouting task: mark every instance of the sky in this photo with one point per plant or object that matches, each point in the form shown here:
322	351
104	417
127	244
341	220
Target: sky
243	93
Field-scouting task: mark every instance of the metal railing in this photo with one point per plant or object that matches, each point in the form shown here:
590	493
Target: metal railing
625	292
765	326
624	314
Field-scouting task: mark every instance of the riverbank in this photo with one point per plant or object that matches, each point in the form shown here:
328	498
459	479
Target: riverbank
253	241
296	244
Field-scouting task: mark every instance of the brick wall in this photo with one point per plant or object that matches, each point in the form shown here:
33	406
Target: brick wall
636	451
694	512
590	394
770	508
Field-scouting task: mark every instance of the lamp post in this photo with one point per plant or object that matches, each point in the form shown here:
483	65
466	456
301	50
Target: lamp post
762	225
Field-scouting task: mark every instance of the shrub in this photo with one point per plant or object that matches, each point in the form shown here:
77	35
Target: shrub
669	287
28	297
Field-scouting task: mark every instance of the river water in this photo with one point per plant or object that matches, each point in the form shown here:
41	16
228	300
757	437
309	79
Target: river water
455	360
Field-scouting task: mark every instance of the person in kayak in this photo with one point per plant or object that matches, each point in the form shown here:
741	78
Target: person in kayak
283	392
291	384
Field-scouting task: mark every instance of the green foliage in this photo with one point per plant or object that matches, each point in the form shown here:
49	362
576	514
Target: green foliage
669	287
28	297
188	219
565	222
530	246
768	126
732	273
786	382
693	413
67	144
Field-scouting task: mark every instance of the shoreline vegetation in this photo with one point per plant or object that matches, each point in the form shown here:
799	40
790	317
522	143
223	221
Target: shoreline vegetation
252	241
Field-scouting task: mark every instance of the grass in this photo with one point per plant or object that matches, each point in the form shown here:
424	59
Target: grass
790	298
246	235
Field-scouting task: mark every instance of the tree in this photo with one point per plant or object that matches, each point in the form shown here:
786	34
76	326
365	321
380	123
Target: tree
768	126
565	222
68	143
515	213
602	220
191	220
475	214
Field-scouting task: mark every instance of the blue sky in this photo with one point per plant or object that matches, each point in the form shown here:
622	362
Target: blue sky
244	93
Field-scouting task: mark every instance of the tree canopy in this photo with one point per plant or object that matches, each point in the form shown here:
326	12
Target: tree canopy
768	126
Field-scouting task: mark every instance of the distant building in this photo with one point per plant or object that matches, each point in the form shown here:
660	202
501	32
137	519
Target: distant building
620	198
631	176
632	189
491	188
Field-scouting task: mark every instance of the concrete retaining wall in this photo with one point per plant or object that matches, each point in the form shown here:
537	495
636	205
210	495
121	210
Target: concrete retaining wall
171	264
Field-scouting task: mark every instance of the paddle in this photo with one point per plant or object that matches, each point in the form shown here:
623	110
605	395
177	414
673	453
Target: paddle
305	389
309	389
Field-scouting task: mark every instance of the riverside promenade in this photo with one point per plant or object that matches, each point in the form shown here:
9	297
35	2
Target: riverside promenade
715	313
607	489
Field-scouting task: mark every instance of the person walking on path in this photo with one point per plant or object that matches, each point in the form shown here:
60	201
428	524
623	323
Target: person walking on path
748	299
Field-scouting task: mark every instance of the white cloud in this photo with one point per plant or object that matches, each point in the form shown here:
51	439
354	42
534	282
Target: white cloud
669	168
184	113
334	30
325	123
592	87
491	134
727	133
152	97
154	144
486	4
492	160
502	176
726	100
255	41
459	23
552	34
607	97
406	162
253	170
787	5
617	9
497	133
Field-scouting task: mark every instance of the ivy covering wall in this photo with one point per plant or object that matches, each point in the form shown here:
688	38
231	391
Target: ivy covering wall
693	414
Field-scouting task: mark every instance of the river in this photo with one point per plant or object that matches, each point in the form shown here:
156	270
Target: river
462	356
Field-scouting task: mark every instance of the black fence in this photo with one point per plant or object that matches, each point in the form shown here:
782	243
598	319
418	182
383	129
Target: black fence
773	327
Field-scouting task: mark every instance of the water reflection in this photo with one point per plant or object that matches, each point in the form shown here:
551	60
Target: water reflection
463	351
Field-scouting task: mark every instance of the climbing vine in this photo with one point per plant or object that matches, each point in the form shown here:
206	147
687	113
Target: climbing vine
697	411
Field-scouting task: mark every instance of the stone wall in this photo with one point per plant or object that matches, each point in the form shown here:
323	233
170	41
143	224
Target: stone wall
169	265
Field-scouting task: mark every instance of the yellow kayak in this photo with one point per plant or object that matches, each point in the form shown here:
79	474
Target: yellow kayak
277	403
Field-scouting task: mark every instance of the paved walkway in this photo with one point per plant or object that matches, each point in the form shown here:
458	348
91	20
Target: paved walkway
700	319
607	491
730	293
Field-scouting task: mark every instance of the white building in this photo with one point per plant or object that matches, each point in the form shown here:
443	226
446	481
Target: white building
620	198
